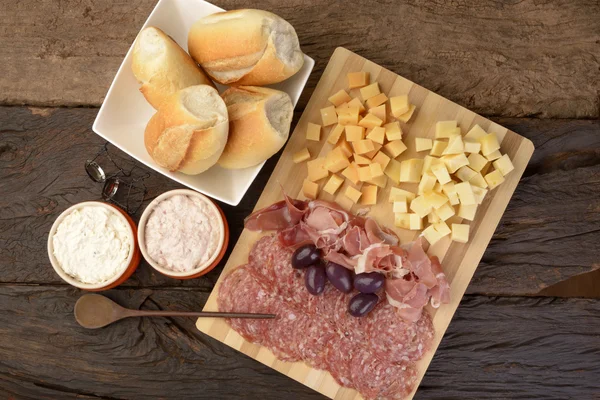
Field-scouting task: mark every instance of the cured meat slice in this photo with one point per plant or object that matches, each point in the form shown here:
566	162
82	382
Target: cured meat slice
315	336
324	305
338	358
352	328
375	378
392	338
283	337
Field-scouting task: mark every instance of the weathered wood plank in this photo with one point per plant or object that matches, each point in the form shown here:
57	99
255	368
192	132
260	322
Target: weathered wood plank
519	58
550	351
549	231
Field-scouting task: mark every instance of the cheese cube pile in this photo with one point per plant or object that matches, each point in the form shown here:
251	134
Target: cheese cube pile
454	177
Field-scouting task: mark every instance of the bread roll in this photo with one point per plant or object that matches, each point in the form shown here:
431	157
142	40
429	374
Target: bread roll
259	125
245	47
162	67
189	131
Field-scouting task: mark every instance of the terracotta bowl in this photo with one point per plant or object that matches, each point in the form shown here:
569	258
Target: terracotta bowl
201	269
132	262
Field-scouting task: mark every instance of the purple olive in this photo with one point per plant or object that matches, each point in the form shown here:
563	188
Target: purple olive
339	276
305	256
369	282
362	304
315	279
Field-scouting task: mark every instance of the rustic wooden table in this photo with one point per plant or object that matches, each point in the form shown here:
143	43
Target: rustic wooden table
531	66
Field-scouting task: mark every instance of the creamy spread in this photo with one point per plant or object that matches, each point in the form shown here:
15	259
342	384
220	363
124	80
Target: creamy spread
92	244
182	233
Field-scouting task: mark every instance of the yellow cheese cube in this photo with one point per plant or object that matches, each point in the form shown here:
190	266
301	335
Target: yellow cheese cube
465	174
371	154
504	165
328	115
410	170
455	132
453	198
429	162
432	235
353	194
361	160
333	184
376	170
442	228
340	97
349	116
393	170
364	173
336	160
460	233
416	222
380	181
465	193
402	220
420	207
438	148
478	180
345	147
354	133
441	173
455	161
344	201
310	189
378	111
407	115
369	195
448	188
494	179
316	169
437	187
433	218
489	144
397	194
393	131
494	155
313	132
369	91
355	102
335	134
434	199
427	183
351	173
358	79
362	146
341	108
467	211
455	146
444	212
381	159
400	206
485	169
377	134
472	147
477	162
443	129
370	121
479	193
399	105
301	155
376	100
394	148
422	144
475	133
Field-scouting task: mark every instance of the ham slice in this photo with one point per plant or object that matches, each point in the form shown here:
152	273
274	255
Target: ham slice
278	216
440	294
377	234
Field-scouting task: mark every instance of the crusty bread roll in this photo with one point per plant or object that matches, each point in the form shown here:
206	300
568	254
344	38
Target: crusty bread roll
259	125
189	131
245	47
162	67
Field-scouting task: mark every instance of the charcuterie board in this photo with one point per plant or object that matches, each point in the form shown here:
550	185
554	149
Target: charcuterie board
459	260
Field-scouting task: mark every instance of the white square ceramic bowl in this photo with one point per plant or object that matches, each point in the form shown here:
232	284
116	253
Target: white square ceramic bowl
125	112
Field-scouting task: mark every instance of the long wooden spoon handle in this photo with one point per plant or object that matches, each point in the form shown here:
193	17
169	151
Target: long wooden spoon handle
203	314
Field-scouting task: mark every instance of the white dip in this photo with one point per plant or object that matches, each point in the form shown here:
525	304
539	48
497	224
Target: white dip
92	244
182	233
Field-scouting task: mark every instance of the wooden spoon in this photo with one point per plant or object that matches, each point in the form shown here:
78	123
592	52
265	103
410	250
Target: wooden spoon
94	311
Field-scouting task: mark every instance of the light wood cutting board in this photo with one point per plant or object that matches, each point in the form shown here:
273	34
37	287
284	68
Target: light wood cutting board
458	260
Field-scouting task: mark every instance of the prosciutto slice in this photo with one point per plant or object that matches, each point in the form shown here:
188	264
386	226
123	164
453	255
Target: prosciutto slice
283	214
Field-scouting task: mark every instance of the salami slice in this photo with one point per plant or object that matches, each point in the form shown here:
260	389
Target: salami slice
316	335
338	358
283	336
394	339
381	379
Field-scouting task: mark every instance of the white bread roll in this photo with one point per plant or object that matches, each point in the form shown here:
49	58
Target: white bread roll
245	47
162	67
259	125
189	131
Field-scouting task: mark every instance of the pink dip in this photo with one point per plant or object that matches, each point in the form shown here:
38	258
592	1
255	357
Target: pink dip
182	233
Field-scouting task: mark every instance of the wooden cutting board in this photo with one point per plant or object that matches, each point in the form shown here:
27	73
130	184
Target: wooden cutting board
458	260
